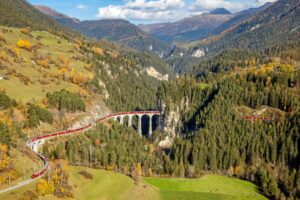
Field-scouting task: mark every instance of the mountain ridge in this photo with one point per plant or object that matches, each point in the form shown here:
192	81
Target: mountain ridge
188	29
120	31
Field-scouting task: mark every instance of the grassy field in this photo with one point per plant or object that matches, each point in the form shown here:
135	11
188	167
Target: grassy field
208	187
105	185
109	185
42	79
112	186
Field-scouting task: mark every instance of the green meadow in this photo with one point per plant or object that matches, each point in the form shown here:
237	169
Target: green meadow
208	187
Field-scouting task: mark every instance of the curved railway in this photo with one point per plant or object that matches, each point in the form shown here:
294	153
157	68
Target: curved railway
30	143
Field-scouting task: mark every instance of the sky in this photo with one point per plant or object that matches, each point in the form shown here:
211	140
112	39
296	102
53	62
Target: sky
143	11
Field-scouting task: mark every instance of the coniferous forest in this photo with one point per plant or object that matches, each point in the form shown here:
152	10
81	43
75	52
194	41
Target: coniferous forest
229	103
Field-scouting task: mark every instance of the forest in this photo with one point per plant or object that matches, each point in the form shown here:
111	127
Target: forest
215	138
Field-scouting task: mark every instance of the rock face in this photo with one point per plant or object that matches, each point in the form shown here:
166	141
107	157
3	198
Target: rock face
171	113
151	71
198	53
95	110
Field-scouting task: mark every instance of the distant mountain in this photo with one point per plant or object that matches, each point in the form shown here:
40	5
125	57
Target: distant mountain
61	18
188	29
219	11
276	25
240	17
19	13
117	30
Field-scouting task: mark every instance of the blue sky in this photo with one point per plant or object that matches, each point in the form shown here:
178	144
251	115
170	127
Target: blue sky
143	11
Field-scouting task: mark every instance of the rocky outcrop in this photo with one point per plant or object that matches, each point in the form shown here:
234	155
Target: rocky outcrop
198	53
172	117
95	111
151	71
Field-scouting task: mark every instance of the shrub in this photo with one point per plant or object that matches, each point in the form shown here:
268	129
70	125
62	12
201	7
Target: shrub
25	31
25	44
29	195
5	137
37	114
43	187
6	102
2	39
66	100
86	174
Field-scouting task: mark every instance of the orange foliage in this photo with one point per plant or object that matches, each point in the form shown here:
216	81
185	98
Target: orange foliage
25	44
63	60
78	78
97	142
25	31
43	62
5	160
3	56
98	51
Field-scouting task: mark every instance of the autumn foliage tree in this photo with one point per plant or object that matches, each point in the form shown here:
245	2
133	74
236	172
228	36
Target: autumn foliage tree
24	44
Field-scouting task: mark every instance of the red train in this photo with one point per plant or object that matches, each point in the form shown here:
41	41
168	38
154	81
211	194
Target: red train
45	160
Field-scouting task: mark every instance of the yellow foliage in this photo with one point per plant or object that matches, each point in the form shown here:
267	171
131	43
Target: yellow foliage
98	51
5	160
16	52
63	60
138	169
78	78
90	76
6	119
25	44
58	171
44	187
286	68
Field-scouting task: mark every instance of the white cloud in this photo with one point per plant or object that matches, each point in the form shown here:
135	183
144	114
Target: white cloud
81	6
159	5
162	10
262	2
170	10
212	4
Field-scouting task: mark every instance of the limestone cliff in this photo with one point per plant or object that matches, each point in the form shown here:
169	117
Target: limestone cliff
172	116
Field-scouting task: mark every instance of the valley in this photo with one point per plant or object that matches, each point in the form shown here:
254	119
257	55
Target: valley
109	101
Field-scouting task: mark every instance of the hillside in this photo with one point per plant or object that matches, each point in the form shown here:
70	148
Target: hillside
239	18
276	25
110	185
120	31
19	13
188	29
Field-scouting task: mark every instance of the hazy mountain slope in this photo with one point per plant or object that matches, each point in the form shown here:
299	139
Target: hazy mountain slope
120	31
19	13
188	29
239	18
278	24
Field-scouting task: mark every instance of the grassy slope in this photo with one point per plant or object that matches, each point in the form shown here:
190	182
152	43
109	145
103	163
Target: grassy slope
111	185
108	185
105	185
50	44
207	187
